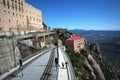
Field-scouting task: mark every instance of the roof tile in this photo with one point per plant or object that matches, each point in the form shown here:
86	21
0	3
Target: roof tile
75	38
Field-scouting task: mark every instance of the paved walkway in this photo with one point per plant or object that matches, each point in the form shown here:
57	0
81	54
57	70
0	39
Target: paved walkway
35	69
59	73
62	75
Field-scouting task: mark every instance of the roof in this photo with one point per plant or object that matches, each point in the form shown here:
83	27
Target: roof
75	38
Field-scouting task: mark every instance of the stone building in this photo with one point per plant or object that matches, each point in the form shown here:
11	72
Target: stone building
18	17
75	43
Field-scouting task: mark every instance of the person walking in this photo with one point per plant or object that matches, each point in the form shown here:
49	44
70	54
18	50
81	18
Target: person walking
20	66
62	65
56	62
20	63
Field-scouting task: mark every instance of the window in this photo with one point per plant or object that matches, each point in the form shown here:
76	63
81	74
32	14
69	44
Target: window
12	5
40	20
9	20
27	17
17	22
17	15
34	19
10	29
22	3
13	14
16	7
19	9
19	2
8	4
30	17
19	5
4	12
20	15
22	9
4	3
9	12
0	29
15	1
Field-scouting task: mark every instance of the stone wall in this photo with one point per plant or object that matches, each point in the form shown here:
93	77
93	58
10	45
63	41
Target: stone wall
7	56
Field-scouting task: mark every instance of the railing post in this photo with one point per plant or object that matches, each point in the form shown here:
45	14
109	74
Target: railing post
57	51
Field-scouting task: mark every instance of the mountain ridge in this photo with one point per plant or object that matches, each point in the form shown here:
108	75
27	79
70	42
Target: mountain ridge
91	30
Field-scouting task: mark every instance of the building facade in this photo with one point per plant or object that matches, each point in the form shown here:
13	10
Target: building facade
75	43
18	17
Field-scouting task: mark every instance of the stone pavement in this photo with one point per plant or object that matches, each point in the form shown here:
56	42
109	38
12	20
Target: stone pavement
35	69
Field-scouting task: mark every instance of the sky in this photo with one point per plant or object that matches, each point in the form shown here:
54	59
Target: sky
80	14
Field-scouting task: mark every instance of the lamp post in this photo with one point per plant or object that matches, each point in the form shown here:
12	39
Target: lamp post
57	50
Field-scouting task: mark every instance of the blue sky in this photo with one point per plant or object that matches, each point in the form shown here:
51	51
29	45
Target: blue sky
80	14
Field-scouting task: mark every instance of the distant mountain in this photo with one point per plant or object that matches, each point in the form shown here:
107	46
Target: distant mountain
95	32
94	35
92	30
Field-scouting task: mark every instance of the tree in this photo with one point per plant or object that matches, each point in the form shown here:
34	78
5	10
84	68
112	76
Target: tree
44	26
